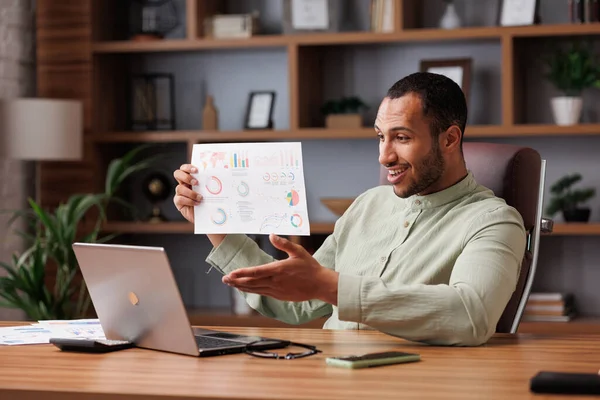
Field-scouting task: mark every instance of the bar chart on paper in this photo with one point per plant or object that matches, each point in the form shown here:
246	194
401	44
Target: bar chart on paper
251	188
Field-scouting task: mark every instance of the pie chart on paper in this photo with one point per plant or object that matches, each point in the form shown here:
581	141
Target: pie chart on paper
293	198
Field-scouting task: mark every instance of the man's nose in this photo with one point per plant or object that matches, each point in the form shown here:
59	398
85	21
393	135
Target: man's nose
386	155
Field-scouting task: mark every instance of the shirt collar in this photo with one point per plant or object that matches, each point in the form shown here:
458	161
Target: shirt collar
448	195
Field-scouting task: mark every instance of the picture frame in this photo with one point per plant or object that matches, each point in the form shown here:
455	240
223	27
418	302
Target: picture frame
151	102
457	69
259	111
306	16
518	12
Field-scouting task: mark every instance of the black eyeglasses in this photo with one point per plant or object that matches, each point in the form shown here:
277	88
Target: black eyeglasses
289	356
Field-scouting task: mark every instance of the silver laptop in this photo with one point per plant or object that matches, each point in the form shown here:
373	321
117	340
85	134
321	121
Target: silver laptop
137	299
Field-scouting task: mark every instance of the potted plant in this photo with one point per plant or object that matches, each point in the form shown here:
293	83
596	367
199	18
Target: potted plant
567	200
571	70
343	113
26	285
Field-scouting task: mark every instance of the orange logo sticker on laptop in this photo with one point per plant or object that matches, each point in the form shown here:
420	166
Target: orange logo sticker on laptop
133	298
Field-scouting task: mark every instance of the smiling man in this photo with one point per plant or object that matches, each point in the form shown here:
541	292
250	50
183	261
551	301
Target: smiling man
432	257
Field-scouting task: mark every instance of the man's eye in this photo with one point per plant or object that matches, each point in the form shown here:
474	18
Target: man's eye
402	138
380	137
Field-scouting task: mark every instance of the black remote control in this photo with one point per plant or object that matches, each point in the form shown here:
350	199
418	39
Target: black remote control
90	345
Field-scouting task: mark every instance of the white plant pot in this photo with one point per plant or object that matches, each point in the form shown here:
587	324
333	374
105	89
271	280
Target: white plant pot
566	110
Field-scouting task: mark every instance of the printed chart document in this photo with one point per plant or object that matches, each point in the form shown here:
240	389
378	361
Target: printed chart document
250	188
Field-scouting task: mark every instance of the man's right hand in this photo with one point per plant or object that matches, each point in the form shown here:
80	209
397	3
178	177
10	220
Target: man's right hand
185	198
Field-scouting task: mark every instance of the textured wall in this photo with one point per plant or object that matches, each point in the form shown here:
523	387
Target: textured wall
17	79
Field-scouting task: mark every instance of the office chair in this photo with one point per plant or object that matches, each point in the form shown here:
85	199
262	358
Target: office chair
516	174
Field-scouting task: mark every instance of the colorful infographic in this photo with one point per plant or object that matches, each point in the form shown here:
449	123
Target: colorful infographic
250	188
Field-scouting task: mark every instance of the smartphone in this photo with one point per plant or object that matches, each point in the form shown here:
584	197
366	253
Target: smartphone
373	359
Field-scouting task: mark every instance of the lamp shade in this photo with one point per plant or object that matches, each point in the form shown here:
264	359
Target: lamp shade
41	129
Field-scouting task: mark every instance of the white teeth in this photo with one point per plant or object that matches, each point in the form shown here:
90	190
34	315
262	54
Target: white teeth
396	172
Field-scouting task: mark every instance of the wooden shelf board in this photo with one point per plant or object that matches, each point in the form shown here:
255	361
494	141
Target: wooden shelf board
347	38
584	325
146	227
552	30
227	318
125	46
574	229
473	131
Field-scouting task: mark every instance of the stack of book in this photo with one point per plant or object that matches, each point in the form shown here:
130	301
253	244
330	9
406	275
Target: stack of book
584	11
382	15
549	307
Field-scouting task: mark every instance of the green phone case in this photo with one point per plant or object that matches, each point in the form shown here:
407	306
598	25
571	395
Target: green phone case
373	360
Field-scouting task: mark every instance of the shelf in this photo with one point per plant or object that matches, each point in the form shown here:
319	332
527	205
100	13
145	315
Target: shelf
555	30
146	227
472	131
348	38
585	325
226	318
576	229
125	46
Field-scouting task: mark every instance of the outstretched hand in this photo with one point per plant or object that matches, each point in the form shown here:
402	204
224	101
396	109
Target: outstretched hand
298	278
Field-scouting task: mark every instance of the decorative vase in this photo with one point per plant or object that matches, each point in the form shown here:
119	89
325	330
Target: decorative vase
566	109
577	215
210	115
450	19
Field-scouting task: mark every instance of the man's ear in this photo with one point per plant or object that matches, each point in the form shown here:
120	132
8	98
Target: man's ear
450	140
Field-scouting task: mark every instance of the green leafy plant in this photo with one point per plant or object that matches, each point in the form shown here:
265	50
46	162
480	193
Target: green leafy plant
80	218
345	105
564	198
572	69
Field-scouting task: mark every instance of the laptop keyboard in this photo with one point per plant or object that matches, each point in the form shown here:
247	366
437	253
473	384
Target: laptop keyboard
204	342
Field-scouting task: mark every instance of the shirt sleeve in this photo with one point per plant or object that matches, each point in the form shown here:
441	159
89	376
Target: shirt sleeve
239	251
464	312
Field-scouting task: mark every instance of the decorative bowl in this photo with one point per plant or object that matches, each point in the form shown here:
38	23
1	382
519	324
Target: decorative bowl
337	205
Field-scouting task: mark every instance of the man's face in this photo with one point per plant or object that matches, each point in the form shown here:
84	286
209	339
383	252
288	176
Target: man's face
406	148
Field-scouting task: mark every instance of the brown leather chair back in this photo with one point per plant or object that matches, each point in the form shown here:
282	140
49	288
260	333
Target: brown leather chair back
513	173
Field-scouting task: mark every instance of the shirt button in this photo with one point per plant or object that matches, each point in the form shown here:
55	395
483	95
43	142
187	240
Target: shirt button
417	202
382	259
406	223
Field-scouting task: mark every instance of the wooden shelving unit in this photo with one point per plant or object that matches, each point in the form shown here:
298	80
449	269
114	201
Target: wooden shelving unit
79	56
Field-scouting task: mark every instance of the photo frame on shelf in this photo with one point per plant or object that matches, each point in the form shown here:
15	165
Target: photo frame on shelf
518	12
305	16
152	102
457	69
259	111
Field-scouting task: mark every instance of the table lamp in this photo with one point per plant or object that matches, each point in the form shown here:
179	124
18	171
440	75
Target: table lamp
37	129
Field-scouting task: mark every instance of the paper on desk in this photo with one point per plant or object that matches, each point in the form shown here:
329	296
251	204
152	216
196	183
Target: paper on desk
76	328
251	188
42	331
27	334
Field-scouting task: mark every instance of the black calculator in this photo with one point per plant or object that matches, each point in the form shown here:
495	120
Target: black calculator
90	345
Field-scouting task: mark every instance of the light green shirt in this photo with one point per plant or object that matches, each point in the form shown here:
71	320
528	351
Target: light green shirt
438	268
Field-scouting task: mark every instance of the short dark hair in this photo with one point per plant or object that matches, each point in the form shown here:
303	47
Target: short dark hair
443	100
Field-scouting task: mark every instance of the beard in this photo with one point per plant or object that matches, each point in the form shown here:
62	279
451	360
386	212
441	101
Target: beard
427	172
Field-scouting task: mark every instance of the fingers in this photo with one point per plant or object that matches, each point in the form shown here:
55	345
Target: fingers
185	197
263	271
184	178
248	282
283	244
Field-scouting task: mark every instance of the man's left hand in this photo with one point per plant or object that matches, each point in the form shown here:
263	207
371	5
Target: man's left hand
298	278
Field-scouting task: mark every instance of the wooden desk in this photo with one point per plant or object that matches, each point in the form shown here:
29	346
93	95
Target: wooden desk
499	370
